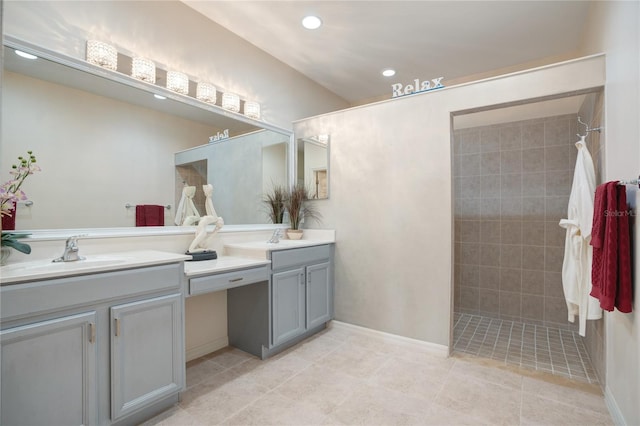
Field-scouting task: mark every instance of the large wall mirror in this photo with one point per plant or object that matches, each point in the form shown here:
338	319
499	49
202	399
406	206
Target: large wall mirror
259	163
104	142
312	164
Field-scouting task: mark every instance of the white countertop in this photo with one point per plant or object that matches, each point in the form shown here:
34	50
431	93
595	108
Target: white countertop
282	245
46	269
261	249
221	264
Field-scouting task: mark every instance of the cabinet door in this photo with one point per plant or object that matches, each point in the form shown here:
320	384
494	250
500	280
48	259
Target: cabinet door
146	357
319	294
288	305
49	372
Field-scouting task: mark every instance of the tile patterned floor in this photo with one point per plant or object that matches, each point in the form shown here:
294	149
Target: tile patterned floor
551	350
347	376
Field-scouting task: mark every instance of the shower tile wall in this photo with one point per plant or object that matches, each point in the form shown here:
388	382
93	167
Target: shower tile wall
512	184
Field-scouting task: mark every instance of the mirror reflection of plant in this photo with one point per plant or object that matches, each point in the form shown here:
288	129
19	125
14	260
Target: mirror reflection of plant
298	206
274	201
10	192
10	239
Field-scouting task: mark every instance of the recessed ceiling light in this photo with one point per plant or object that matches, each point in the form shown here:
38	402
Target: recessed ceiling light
311	22
388	72
159	96
26	55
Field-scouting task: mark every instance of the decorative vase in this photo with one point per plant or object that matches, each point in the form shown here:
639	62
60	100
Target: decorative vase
9	222
294	234
5	253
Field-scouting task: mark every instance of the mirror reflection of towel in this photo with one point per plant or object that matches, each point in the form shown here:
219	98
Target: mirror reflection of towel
149	215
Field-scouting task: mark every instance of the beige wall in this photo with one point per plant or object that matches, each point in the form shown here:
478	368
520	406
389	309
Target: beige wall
613	28
173	35
391	202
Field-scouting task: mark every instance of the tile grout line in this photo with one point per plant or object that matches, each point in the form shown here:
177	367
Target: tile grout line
584	368
536	341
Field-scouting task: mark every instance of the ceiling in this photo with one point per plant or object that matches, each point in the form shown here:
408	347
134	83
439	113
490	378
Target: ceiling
420	39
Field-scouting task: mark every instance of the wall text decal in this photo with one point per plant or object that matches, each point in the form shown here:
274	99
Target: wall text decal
219	136
399	89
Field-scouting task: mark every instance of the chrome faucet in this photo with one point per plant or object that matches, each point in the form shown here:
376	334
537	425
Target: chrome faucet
71	250
275	238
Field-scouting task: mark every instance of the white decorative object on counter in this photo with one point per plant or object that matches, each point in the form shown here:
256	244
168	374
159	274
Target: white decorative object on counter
201	241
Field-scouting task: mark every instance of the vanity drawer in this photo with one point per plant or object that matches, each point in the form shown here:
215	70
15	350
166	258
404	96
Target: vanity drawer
286	258
227	280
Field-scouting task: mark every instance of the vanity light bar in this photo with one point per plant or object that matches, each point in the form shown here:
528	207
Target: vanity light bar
178	82
231	101
252	109
102	54
206	92
143	69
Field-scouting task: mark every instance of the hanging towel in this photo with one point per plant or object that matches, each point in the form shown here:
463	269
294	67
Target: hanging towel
611	272
149	215
187	214
576	266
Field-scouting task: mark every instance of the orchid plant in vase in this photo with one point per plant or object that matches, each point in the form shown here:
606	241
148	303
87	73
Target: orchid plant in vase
10	194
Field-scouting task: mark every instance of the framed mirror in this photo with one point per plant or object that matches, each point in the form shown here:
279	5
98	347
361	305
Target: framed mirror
312	165
104	142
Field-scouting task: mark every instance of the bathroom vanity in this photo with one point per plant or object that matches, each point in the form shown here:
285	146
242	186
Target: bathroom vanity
101	340
277	294
92	347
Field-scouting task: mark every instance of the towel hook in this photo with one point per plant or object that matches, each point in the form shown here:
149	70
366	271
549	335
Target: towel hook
587	129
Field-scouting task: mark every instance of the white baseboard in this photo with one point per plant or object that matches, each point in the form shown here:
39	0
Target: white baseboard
614	410
207	348
436	349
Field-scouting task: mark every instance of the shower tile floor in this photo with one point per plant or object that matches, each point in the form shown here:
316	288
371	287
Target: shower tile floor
550	350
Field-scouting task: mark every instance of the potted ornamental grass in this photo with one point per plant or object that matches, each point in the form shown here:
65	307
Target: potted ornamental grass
299	209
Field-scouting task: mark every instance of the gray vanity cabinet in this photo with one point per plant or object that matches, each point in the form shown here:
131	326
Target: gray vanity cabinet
319	294
302	291
288	306
103	348
146	353
49	372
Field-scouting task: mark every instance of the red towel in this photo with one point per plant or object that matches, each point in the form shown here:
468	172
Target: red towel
611	266
149	215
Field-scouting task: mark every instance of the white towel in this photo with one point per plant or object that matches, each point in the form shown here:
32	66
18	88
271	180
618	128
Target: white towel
186	213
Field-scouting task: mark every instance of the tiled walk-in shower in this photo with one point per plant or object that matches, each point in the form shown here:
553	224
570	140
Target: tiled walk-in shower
546	349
